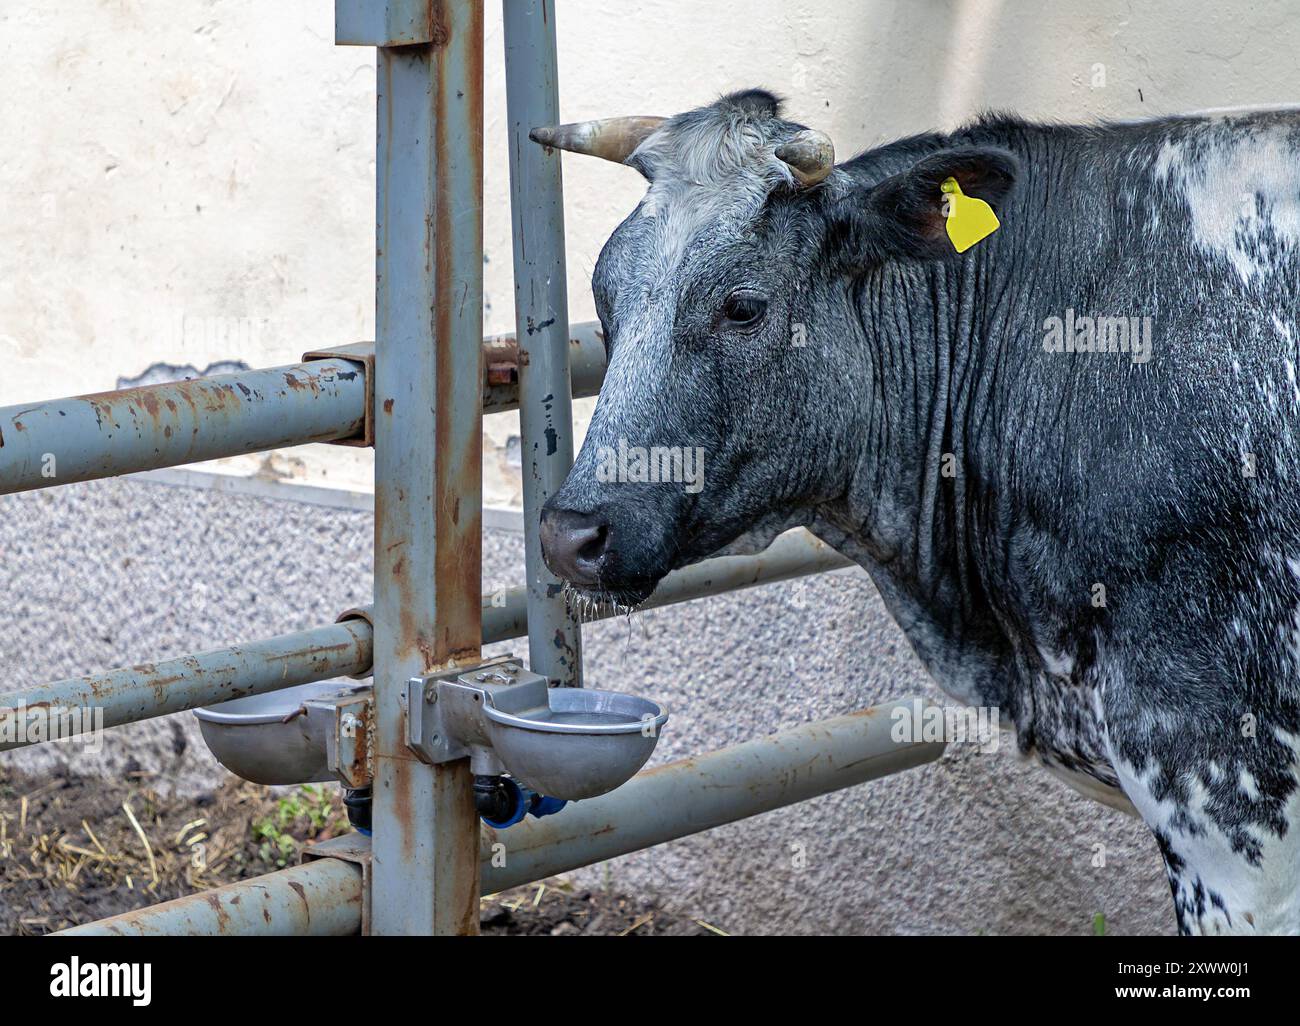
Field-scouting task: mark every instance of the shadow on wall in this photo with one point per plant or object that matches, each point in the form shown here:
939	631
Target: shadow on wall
161	373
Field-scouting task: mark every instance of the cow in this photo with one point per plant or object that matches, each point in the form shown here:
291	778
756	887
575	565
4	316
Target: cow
1067	455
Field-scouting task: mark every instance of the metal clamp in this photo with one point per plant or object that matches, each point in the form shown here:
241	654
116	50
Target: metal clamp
349	746
359	354
444	710
351	847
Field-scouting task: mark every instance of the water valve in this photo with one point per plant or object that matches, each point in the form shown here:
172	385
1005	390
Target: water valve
502	802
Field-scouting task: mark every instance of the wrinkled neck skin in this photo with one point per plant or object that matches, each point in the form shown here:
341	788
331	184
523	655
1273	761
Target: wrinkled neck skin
933	445
899	517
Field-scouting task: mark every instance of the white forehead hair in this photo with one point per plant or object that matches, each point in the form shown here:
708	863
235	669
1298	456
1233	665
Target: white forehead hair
714	166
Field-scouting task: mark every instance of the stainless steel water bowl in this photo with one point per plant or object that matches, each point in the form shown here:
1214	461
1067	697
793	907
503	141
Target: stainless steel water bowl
580	744
276	738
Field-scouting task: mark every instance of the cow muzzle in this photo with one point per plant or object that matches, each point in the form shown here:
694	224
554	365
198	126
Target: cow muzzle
575	546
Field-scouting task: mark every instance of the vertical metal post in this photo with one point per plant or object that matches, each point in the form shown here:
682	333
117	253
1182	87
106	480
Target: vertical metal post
428	441
541	323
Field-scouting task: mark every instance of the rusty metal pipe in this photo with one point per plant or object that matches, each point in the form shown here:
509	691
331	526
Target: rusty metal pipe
115	697
107	434
794	554
317	899
112	433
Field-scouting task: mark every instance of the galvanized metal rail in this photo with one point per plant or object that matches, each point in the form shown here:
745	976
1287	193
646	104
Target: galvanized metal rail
117	697
316	899
92	436
109	434
428	442
418	394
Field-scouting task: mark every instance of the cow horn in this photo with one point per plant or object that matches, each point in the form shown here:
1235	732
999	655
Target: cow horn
810	154
609	138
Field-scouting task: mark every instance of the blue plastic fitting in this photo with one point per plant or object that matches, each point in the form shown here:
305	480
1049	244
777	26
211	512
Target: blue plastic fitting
526	801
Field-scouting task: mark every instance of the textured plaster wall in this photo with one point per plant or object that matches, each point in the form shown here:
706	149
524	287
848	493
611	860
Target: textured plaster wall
192	183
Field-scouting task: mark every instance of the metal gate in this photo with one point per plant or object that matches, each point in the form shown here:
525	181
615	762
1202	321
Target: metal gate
417	396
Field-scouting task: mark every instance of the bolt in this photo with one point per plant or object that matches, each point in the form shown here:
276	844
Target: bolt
431	693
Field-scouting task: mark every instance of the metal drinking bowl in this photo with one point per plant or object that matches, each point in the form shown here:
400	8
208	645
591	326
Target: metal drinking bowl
275	738
582	743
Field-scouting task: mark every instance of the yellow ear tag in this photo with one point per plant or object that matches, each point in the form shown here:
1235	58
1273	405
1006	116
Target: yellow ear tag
968	219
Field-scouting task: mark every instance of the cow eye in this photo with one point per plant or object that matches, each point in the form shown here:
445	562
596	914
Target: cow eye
744	308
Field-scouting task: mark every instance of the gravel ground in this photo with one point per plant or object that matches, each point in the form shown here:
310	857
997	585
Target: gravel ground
75	849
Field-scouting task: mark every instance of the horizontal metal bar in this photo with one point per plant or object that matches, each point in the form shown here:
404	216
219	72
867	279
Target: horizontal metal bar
156	689
671	801
794	554
108	434
345	649
317	899
706	791
111	433
501	366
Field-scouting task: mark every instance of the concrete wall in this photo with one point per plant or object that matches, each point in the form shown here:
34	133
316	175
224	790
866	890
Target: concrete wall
191	183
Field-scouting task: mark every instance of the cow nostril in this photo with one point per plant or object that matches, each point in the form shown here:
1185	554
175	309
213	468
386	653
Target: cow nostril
593	548
574	545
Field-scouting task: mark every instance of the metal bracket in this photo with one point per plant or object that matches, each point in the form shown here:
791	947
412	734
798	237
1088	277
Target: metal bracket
351	847
349	745
565	743
388	23
363	355
443	710
365	613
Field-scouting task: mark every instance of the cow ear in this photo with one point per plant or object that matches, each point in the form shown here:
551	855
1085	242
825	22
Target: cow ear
903	216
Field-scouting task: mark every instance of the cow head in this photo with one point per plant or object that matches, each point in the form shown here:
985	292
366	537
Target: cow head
739	382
